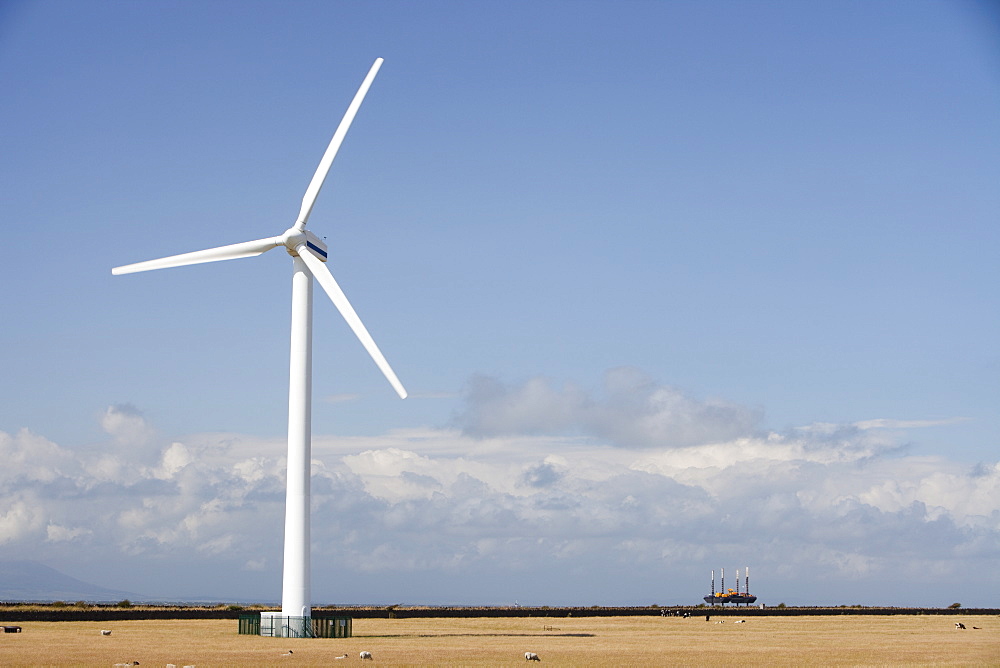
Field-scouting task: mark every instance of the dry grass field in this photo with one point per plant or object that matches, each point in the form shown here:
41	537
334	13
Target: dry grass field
902	640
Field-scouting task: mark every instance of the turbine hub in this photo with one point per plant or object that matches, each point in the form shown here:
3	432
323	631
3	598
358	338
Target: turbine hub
295	239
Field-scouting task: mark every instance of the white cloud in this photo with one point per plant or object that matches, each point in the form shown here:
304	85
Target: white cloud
174	459
475	508
56	533
886	423
495	409
26	456
126	425
632	412
969	498
21	518
639	413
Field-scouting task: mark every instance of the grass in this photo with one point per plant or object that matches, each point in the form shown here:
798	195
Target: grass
842	640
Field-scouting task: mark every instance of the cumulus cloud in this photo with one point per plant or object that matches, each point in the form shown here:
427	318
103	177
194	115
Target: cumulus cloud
542	485
633	411
26	456
496	409
56	533
545	473
126	424
885	423
21	517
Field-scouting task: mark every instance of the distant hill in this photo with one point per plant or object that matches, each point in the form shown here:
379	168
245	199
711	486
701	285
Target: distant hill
32	581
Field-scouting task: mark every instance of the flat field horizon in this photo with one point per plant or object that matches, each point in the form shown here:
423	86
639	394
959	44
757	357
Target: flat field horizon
836	640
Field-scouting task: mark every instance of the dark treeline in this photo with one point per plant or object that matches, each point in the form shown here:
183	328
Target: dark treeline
13	612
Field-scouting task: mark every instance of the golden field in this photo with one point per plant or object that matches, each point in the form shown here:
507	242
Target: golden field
840	640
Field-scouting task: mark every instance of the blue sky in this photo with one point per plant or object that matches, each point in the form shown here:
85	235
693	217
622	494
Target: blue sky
673	286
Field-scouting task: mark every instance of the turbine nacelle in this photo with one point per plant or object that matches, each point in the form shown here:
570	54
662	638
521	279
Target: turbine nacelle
294	240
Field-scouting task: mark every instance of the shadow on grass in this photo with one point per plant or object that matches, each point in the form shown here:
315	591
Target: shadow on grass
480	635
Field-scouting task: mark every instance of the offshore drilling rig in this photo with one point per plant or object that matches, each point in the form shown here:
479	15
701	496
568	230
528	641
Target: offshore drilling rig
724	595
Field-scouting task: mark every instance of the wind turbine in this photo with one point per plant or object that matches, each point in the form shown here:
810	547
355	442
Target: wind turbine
308	257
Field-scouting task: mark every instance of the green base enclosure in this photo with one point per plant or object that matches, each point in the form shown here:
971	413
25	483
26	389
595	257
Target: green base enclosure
296	627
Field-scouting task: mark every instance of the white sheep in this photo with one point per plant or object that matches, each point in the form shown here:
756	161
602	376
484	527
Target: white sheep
366	655
531	656
105	632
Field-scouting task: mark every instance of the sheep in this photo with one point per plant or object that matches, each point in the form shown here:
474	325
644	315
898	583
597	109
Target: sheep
366	655
959	625
531	656
340	657
105	632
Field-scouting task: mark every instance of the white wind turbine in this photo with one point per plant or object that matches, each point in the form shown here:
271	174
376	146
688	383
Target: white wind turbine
308	257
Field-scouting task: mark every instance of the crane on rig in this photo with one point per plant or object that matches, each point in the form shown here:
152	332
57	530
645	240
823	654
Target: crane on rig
724	595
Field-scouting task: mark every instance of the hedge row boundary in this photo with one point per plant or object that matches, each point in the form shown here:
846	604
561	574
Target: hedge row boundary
13	613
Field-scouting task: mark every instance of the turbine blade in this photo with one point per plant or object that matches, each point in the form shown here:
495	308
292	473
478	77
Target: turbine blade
325	278
331	151
231	252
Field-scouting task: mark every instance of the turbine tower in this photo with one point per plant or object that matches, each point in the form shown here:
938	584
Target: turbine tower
308	262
